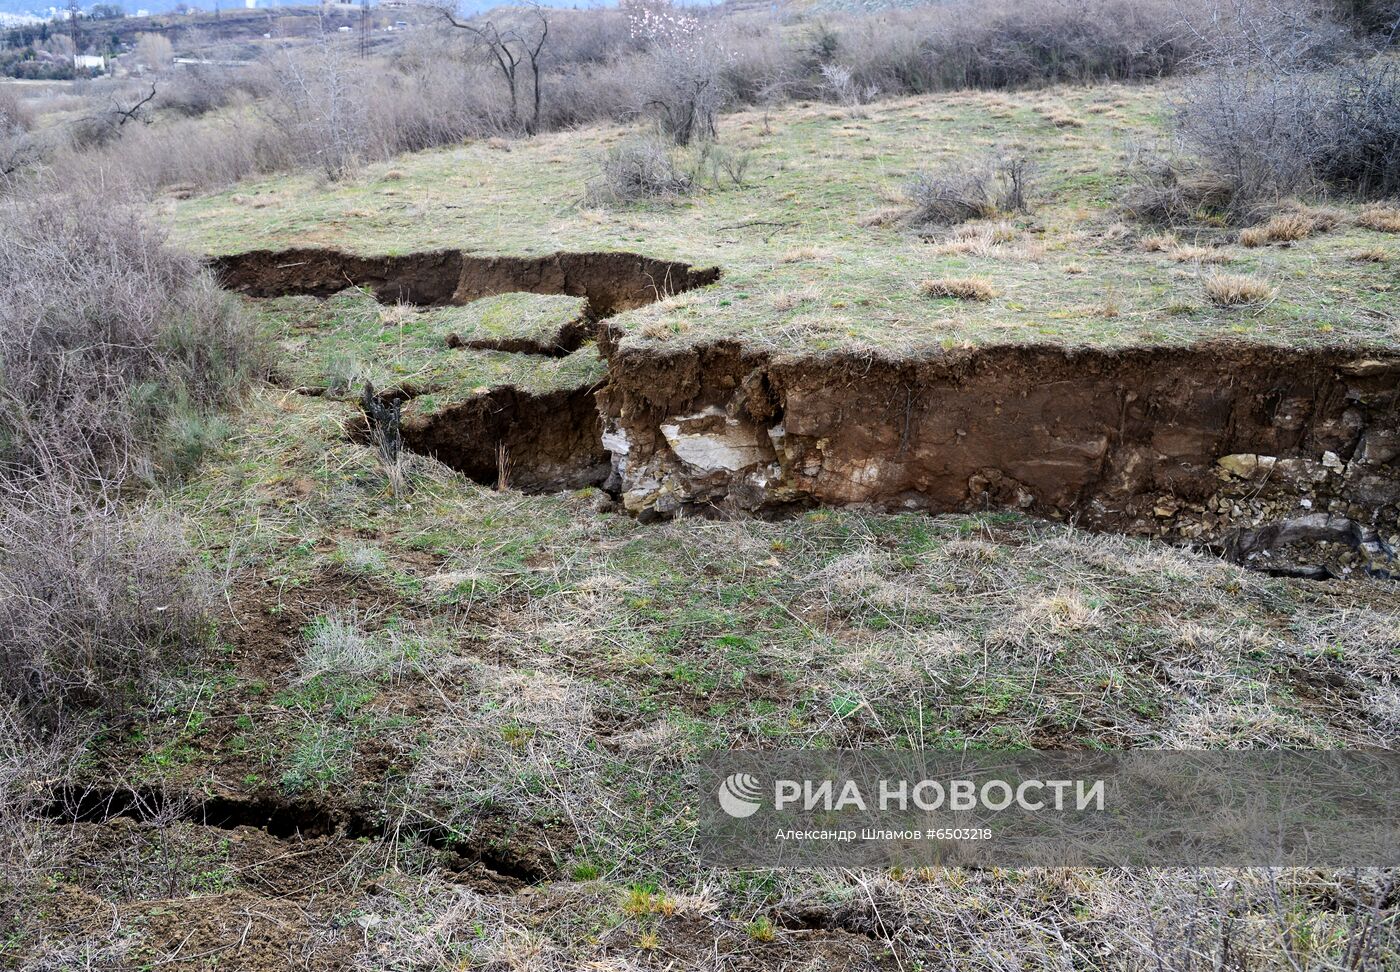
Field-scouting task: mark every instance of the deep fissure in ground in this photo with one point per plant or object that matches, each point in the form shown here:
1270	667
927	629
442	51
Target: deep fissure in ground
504	857
1282	458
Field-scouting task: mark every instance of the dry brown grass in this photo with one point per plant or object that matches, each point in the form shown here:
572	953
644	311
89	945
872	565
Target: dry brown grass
1289	227
1000	240
1158	243
1382	219
1198	254
961	288
805	254
1374	255
881	217
1237	290
1062	118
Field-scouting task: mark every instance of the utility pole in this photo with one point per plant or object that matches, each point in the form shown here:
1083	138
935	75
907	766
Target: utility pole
73	30
364	28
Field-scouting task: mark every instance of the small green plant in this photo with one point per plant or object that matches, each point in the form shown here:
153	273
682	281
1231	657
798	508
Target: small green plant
761	929
585	871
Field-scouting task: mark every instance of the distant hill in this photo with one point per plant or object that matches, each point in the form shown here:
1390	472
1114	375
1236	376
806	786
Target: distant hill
42	10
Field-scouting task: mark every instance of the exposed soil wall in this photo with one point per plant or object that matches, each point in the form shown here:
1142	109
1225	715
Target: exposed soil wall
543	443
1238	445
1185	442
611	282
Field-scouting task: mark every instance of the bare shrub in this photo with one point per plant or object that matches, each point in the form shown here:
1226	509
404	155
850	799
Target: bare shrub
30	762
18	146
975	44
94	603
195	90
681	77
638	169
154	51
722	165
319	105
15	115
1251	135
984	189
110	341
845	90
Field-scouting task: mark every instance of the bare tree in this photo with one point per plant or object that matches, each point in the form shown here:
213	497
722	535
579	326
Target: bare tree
155	51
125	115
684	79
510	45
320	104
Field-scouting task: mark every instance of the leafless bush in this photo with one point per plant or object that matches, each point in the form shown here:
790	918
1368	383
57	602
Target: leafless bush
319	104
111	343
30	760
1282	34
194	90
844	89
15	116
94	603
989	187
18	146
640	168
681	74
1251	136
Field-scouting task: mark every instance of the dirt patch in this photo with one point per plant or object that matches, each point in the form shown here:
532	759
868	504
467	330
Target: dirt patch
611	282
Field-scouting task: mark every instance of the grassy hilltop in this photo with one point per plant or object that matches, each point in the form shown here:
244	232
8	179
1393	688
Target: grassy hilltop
812	247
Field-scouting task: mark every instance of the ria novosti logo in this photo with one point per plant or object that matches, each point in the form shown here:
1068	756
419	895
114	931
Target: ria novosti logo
740	795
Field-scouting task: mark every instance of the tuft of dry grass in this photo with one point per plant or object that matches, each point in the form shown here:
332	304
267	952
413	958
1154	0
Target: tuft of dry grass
1382	219
997	240
961	288
1374	255
1288	227
1237	290
1158	243
880	217
1063	118
1198	254
805	254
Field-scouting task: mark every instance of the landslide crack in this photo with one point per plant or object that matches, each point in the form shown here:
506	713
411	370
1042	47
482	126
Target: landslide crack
610	281
511	863
505	437
1283	459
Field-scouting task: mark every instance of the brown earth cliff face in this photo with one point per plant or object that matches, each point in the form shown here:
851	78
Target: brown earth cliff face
1108	435
1212	443
611	282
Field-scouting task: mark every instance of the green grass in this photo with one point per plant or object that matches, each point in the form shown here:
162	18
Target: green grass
340	343
803	268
